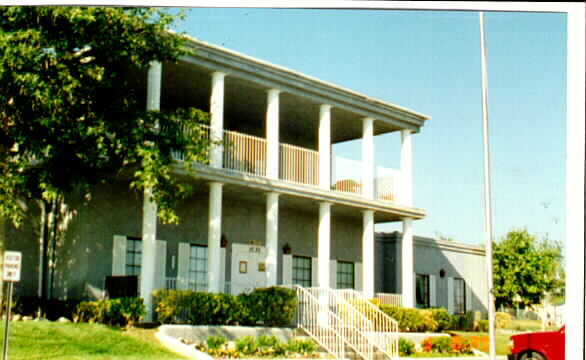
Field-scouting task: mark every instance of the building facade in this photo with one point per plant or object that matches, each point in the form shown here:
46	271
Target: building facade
270	208
445	273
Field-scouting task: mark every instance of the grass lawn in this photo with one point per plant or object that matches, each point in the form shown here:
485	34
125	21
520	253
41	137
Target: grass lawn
47	340
529	325
479	340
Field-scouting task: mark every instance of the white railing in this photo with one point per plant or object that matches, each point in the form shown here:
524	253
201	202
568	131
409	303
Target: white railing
354	327
389	299
346	177
298	164
321	324
385	333
175	283
245	153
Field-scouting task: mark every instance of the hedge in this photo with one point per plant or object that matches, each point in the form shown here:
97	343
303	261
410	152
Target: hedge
272	306
119	312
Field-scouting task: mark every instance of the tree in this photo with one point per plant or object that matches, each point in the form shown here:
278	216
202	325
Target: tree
526	267
69	116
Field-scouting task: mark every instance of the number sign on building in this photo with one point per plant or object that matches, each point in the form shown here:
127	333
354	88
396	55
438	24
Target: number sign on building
12	262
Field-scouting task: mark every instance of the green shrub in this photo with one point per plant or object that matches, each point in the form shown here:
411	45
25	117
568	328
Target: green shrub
216	342
442	344
302	346
271	306
458	322
406	347
411	320
443	319
264	341
119	312
483	325
503	320
246	345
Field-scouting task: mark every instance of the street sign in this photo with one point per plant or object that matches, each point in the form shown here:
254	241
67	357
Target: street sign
12	264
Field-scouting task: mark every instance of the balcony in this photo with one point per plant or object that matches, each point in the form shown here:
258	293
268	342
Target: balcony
248	154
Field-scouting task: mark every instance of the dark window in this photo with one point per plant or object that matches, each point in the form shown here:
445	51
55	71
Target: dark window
422	291
345	275
302	271
459	296
133	256
198	267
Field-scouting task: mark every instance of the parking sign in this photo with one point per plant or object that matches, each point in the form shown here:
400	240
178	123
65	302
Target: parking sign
12	262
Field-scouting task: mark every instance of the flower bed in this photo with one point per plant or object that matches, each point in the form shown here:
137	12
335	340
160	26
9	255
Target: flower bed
258	347
441	346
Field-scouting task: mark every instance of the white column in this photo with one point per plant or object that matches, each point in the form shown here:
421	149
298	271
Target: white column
149	211
154	86
407	278
323	245
368	157
325	146
273	134
272	238
149	247
368	253
214	235
406	191
217	118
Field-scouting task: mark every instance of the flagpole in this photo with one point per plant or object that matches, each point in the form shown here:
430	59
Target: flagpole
487	194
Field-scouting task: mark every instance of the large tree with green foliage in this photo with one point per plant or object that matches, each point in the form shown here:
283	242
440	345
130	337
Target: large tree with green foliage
70	118
526	268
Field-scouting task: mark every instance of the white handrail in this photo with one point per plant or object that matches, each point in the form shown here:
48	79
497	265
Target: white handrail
355	327
321	324
385	333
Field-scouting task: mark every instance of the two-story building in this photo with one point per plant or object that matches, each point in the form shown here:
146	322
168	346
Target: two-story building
270	208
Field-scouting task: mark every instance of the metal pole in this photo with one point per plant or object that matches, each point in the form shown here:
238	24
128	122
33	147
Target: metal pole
487	194
8	311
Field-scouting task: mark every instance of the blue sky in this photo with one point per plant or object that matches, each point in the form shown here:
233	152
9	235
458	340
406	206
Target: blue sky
429	61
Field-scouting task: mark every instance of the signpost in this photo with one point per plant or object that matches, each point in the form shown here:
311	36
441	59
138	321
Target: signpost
10	274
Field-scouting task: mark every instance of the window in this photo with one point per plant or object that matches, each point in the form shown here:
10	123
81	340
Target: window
345	275
302	271
133	256
459	296
422	291
198	267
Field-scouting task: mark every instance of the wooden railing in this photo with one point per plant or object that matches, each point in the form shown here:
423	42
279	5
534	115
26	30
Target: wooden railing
389	299
245	153
299	165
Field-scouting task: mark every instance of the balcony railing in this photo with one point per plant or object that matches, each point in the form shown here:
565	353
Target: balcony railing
245	153
248	154
298	164
347	177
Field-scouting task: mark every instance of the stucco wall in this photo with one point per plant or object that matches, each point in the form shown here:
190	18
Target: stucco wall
430	258
85	251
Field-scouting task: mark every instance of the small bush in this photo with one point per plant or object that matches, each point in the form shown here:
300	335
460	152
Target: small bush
406	347
271	306
442	344
246	345
301	346
216	342
461	346
118	312
443	319
411	320
503	320
267	341
483	325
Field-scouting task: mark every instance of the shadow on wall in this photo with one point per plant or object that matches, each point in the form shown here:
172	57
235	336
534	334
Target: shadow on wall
456	272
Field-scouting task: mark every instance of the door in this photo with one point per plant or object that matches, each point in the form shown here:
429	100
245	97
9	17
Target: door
248	268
